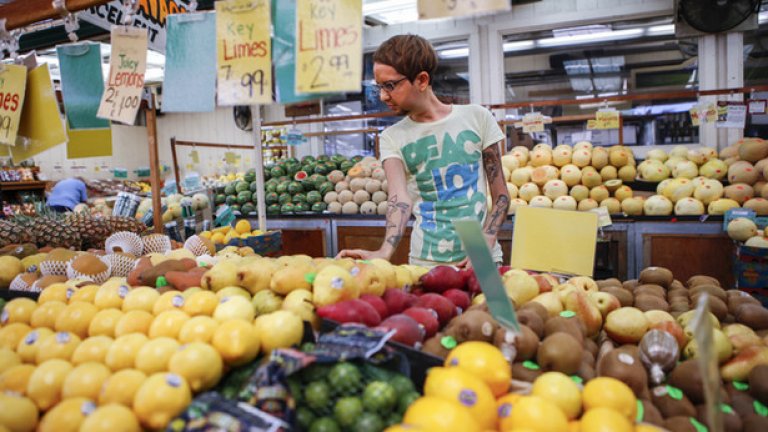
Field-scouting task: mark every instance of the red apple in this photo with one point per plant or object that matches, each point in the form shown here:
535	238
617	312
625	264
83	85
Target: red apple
445	309
377	303
427	318
458	298
546	282
473	285
606	302
407	330
441	278
504	269
585	308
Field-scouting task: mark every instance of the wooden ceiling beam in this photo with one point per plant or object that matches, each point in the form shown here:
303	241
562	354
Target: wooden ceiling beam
21	13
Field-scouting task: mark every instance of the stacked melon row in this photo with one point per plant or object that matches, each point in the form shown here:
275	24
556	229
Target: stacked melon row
363	190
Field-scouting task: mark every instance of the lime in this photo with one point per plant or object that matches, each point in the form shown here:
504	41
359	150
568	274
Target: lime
402	385
307	347
304	417
324	424
315	372
393	419
345	378
294	384
406	400
317	394
369	422
347	410
379	397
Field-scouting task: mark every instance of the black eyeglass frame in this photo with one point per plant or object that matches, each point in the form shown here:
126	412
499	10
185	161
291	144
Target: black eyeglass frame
388	86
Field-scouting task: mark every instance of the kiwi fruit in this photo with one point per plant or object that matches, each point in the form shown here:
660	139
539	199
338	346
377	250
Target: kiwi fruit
527	342
712	290
573	326
731	421
88	264
758	383
588	358
741	401
522	373
482	306
676	284
435	347
625	297
679	307
755	423
540	310
586	372
687	377
60	254
646	302
560	352
591	346
531	319
716	306
753	316
46	281
669	406
679	424
735	302
701	280
651	289
623	366
656	275
608	282
630	284
651	414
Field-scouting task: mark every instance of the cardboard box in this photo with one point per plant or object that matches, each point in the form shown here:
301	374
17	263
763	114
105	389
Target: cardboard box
751	268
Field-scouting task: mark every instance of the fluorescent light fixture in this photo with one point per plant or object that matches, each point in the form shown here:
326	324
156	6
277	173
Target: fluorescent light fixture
591	37
391	11
518	45
659	30
762	17
453	53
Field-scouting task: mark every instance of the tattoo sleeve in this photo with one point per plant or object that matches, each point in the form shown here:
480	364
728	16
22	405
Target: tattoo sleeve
498	189
398	213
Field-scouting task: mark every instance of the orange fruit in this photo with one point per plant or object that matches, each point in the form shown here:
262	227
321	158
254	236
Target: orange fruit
484	361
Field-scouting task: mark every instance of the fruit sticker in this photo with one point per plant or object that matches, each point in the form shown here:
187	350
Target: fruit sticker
467	397
31	337
87	408
4	317
62	337
123	291
173	380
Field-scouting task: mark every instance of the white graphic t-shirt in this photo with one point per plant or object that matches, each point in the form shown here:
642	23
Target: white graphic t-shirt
446	180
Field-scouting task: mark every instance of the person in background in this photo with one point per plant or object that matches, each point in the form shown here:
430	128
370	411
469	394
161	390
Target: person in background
66	194
441	161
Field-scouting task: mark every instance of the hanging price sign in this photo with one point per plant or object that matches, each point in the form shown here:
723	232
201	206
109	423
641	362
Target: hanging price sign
244	55
128	62
329	46
455	8
13	82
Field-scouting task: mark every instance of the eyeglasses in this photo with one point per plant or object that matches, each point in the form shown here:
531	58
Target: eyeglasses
388	86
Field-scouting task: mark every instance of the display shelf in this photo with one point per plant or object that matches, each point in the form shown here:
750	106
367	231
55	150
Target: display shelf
10	191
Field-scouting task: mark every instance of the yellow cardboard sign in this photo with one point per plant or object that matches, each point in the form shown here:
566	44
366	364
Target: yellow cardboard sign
559	241
329	46
41	124
607	119
127	64
244	52
13	81
454	8
85	143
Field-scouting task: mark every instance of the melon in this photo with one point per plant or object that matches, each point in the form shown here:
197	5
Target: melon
658	154
564	202
341	186
591	178
385	186
678	189
361	196
613	185
581	157
345	196
555	188
653	170
357	184
582	145
729	152
658	205
542	146
753	149
672	162
612	204
731	160
685	169
521	176
741	229
627	173
334	207
710	191
335	176
757	241
521	154
540	201
680	151
714	169
372	185
579	192
510	162
599	193
571	175
512	190
506	173
331	197
689	207
662	185
609	172
528	191
759	205
541	157
619	157
350	207
381	208
379	196
709	153
739	192
541	175
514	204
632	206
587	204
623	192
561	155
720	206
599	157
368	208
742	172
696	156
760	167
379	174
758	187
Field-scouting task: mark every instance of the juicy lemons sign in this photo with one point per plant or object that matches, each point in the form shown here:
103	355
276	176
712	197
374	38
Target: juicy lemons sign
128	62
329	45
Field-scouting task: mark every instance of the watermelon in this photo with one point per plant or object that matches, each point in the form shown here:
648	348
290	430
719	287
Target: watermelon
231	200
271	187
299	198
338	158
287	208
319	207
295	187
356	159
308	159
323	158
301	207
283	179
250	176
284	198
325	187
273	209
346	166
230	189
323	169
310	167
242	186
247	209
253	187
235	208
291	160
271	198
244	197
313	197
300	176
220	199
282	188
277	171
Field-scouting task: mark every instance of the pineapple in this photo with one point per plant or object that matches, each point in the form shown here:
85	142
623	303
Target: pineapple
122	223
93	230
11	233
50	230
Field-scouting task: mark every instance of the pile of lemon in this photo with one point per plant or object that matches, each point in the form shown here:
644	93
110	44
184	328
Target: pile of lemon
109	358
471	393
225	234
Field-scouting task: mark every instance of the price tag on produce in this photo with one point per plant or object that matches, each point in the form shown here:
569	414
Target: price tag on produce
533	122
603	217
243	45
606	119
757	106
695	115
454	8
329	46
708	112
13	82
122	95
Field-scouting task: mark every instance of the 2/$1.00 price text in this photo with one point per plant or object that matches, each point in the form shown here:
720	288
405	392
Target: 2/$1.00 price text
119	101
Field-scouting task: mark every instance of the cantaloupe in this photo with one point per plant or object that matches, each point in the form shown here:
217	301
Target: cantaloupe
541	157
512	190
628	173
334	207
623	192
381	208
587	204
609	172
368	208
612	204
341	186
565	202
657	205
710	191
379	174
514	204
330	197
619	157
345	196
689	207
757	241
599	193
696	156
685	169
590	178
759	205
540	201
582	145
528	191
662	185
357	184
720	206
521	176
571	175
521	154
379	196
632	206
753	149
555	188
714	169
385	186
359	171
741	229
581	157
350	207
510	162
335	176
658	154
679	151
579	192
599	157
561	155
739	192
678	189
541	175
742	172
361	196
372	185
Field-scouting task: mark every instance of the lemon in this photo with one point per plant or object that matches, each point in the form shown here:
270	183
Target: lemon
279	329
188	293
232	291
53	292
17	413
610	393
11	334
236	341
605	420
198	329
504	406
121	387
111	418
234	307
199	363
205	234
154	355
169	300
104	322
243	226
110	296
437	414
160	398
8	359
460	386
574	426
45	315
217	238
84	294
76	318
537	414
142	298
201	303
485	361
168	324
59	345
85	380
18	310
67	416
559	388
122	352
16	378
135	321
27	348
44	386
93	349
646	427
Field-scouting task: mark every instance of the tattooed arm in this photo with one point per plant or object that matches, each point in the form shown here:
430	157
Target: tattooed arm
499	194
399	209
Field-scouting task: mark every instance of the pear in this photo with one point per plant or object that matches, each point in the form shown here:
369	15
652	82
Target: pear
266	301
255	275
370	279
290	278
332	285
404	277
388	270
221	275
300	303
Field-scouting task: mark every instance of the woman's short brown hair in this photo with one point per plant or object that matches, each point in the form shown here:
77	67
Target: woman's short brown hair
409	55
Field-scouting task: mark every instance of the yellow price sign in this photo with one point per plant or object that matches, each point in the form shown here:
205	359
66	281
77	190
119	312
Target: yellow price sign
13	82
244	53
607	119
329	46
455	8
